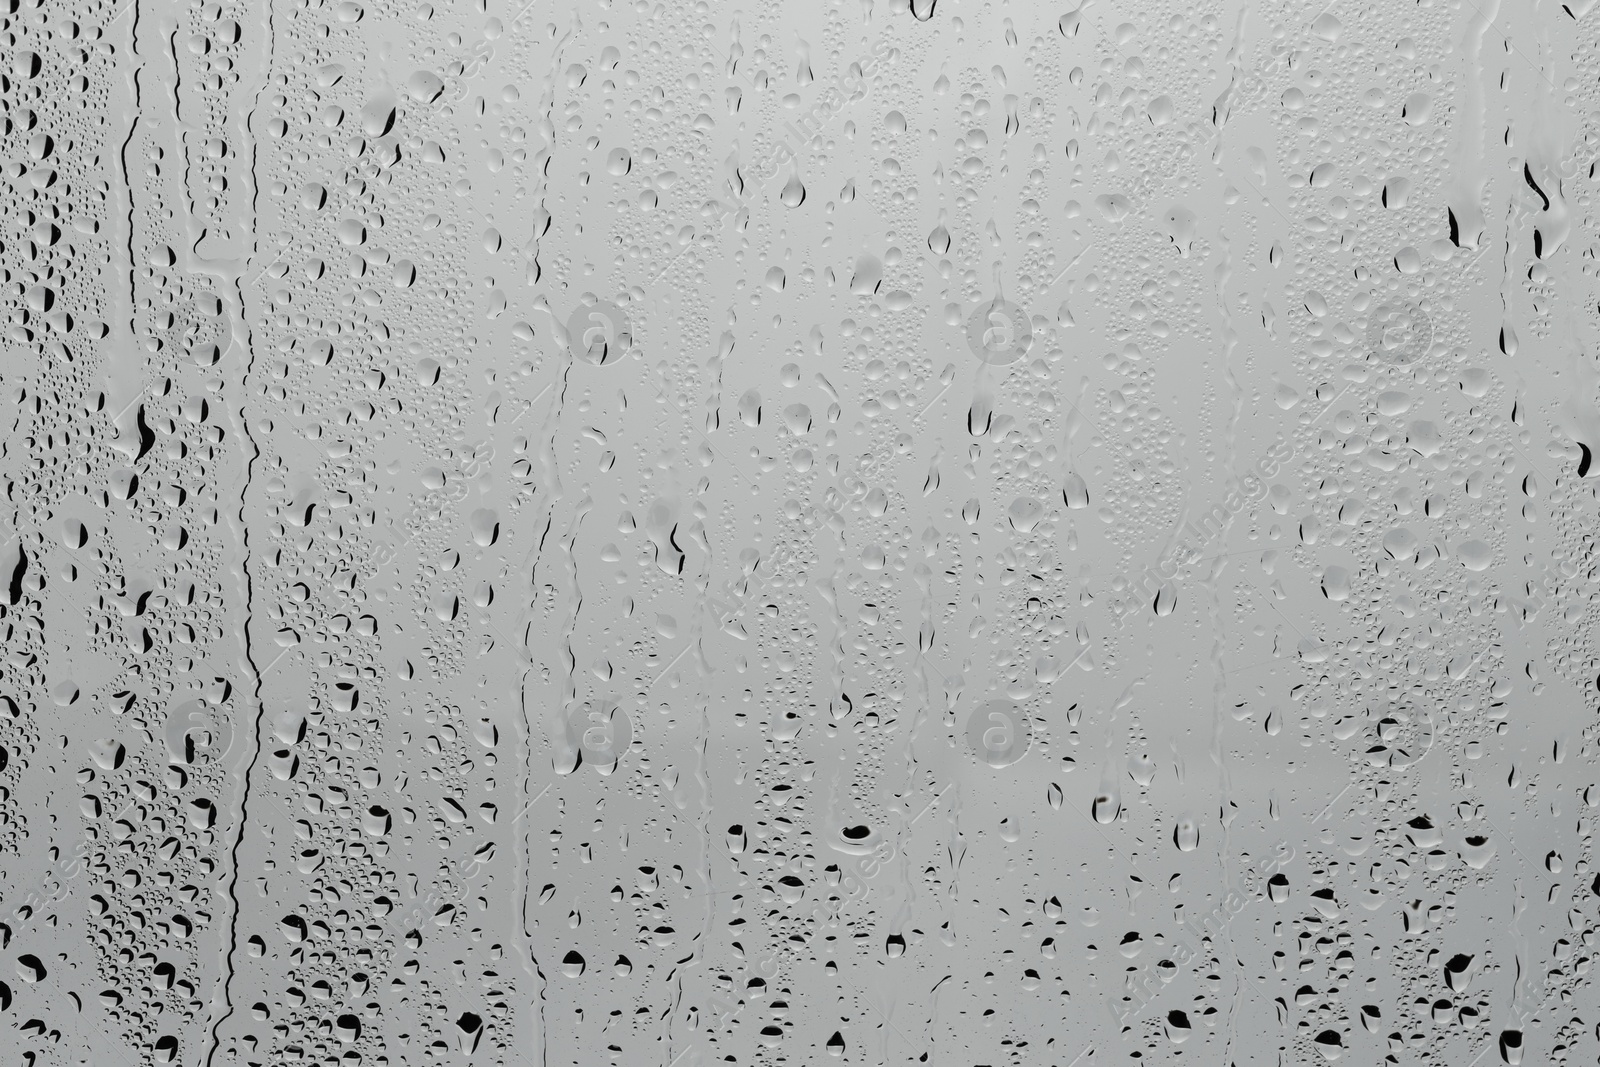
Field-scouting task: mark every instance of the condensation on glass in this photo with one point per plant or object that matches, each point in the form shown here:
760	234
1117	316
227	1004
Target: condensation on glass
666	534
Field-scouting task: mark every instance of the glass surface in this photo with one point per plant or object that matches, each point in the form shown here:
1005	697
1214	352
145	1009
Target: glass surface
666	535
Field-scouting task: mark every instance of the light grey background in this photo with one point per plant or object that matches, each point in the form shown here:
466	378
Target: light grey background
666	534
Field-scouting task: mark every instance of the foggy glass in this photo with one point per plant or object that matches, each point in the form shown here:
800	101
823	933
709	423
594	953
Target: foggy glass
665	534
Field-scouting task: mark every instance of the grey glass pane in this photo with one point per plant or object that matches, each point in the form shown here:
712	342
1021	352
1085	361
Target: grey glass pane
671	535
